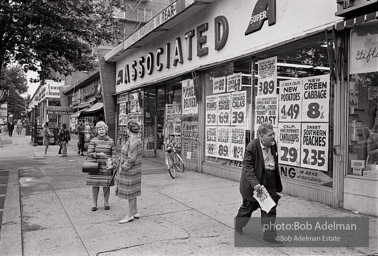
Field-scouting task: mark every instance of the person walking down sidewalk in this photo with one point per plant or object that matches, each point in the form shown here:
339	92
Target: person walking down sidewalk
260	168
19	127
130	174
64	138
101	148
10	128
46	137
81	134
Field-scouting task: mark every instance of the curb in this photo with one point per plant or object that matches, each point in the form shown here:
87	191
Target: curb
11	236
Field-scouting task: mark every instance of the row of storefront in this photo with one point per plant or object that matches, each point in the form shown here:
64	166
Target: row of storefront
202	75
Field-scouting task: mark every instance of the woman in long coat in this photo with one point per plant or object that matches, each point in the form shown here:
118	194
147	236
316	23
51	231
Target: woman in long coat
46	137
101	148
130	174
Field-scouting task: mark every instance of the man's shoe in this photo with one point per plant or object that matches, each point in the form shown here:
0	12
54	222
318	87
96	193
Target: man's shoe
78	152
126	220
82	154
273	242
136	216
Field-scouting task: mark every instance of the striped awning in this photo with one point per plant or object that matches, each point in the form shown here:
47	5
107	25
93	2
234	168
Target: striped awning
356	21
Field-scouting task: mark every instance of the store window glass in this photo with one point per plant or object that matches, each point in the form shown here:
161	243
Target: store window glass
293	91
228	111
149	118
363	101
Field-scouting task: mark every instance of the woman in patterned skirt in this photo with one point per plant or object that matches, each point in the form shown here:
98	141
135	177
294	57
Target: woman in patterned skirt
130	173
101	148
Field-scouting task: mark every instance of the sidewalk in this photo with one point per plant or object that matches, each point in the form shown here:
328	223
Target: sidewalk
47	212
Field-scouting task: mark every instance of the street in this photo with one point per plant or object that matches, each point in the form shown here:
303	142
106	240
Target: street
47	211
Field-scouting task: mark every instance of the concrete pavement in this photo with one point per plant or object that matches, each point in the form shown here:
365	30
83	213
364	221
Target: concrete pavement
47	212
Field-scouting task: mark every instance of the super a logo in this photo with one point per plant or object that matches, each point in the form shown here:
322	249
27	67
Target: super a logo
264	10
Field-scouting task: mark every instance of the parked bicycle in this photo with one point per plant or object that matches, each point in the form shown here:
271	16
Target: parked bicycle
173	161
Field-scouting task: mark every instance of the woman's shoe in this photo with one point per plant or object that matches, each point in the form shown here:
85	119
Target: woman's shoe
107	207
94	208
136	216
126	219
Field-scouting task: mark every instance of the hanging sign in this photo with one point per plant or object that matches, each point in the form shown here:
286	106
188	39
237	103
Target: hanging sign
314	152
211	141
234	82
315	99
224	109
219	84
290	101
266	110
289	144
223	139
239	108
267	73
237	143
189	100
211	109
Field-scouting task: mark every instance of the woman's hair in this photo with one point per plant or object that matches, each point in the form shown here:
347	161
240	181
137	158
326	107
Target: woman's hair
46	124
133	127
64	126
102	124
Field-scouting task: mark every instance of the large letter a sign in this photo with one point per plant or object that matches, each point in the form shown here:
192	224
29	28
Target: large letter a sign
264	10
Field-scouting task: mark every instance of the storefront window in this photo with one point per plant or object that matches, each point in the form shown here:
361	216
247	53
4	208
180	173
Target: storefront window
293	91
363	101
228	112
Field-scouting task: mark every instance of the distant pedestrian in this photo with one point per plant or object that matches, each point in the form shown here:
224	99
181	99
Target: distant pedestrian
19	127
80	130
260	168
46	137
10	128
101	148
129	177
64	138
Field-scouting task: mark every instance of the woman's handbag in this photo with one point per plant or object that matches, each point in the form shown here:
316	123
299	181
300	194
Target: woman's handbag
90	166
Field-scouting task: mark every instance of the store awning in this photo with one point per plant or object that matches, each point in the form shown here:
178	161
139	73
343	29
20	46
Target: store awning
356	21
77	114
94	109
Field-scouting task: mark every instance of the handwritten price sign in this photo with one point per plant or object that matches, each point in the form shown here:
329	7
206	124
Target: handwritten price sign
290	101
239	108
315	103
211	110
289	143
219	84
237	143
224	139
211	141
224	109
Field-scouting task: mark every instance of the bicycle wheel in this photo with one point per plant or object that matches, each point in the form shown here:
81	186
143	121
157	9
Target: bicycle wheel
178	163
169	163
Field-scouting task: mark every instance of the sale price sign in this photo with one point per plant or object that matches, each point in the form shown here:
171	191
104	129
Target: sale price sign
211	110
315	103
219	84
266	110
290	101
234	82
237	143
239	108
314	153
289	144
224	109
267	71
211	141
224	142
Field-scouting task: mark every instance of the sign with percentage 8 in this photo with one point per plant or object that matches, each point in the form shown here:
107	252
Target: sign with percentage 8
211	110
239	108
315	99
224	140
211	141
314	152
289	144
237	143
290	101
224	109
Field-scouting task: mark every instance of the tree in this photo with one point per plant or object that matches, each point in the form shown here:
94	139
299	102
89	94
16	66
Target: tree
59	35
14	83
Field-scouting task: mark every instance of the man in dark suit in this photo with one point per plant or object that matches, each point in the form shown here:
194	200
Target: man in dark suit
260	168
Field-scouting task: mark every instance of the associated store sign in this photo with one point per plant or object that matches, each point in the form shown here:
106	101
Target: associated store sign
264	10
163	57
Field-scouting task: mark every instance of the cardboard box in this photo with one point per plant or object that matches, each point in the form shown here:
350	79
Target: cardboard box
357	171
357	164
